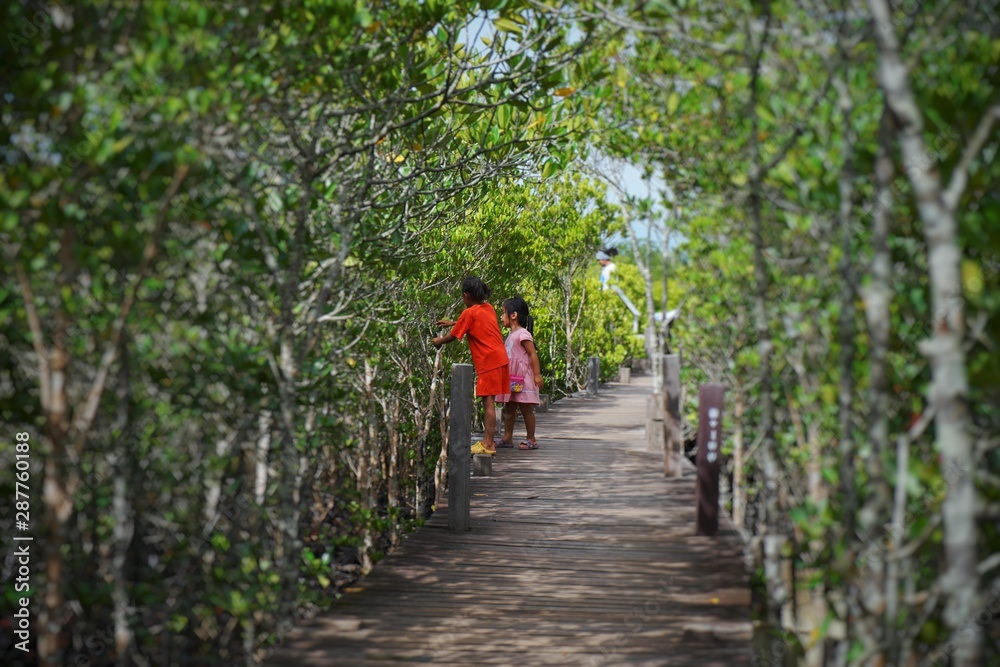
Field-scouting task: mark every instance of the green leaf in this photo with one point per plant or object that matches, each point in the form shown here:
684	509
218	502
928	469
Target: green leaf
506	25
831	475
621	75
17	197
122	144
658	9
673	102
238	605
177	622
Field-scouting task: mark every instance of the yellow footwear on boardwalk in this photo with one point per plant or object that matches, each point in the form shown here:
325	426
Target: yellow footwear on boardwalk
479	448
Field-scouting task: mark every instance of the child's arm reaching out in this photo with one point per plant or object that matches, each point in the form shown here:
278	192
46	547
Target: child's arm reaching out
443	340
536	368
447	338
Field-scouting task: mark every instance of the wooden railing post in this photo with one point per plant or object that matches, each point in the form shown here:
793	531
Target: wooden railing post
673	443
459	439
482	465
654	423
710	399
594	373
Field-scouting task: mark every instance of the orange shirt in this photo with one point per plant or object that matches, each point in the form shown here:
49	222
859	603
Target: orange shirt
485	342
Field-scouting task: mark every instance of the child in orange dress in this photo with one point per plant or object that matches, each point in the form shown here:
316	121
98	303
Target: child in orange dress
489	356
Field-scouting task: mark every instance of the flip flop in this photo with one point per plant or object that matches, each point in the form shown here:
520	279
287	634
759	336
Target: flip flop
528	444
503	443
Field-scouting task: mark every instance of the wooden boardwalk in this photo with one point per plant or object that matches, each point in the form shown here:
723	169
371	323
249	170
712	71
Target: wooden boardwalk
580	553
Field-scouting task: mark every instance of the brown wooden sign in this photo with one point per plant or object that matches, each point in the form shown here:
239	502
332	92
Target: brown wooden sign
710	398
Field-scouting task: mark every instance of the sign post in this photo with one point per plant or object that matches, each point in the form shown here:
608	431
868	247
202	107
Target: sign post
710	401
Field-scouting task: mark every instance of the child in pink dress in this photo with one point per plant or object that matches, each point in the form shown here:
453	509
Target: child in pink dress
523	363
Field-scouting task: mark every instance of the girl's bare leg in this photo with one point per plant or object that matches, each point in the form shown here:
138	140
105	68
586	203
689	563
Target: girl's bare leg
529	420
489	422
509	415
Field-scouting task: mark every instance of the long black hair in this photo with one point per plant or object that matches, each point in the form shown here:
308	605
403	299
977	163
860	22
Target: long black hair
517	305
476	289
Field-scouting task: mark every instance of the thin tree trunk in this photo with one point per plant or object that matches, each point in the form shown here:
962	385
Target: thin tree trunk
845	323
567	305
949	389
123	514
367	465
863	625
772	539
261	456
56	495
739	501
878	298
664	300
288	516
287	377
393	481
441	469
422	501
896	640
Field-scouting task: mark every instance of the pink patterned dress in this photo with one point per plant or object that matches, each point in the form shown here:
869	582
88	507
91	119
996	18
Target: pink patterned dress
520	364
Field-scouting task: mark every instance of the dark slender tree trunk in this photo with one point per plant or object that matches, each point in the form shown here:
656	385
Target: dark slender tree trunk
771	531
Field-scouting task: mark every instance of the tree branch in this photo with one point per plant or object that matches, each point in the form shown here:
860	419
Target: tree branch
85	419
988	564
35	325
960	177
807	117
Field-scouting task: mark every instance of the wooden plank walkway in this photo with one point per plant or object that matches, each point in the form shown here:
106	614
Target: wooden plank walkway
580	553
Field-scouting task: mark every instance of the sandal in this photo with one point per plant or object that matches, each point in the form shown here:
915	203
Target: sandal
528	444
480	448
503	443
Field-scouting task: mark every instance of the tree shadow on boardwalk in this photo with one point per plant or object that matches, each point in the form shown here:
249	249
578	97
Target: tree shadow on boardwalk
580	553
